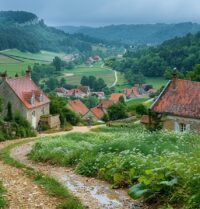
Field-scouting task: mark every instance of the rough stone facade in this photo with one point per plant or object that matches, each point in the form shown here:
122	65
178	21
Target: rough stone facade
8	95
173	123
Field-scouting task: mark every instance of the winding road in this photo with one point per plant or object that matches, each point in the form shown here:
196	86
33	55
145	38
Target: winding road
23	193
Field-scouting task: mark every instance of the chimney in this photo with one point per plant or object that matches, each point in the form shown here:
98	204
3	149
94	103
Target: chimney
28	73
174	79
4	76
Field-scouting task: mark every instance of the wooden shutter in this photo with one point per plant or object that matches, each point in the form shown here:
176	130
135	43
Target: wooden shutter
176	127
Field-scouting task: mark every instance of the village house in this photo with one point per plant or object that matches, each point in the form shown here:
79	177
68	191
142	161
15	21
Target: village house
80	92
99	95
101	109
61	92
80	109
114	97
179	105
25	98
138	91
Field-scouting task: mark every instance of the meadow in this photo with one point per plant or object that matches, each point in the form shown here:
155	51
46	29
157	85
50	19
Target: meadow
74	76
14	61
160	167
2	200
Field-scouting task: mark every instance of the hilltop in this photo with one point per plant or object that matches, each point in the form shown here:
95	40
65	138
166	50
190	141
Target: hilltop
140	34
26	32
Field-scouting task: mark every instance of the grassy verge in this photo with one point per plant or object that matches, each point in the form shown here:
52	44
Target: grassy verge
52	187
2	200
161	167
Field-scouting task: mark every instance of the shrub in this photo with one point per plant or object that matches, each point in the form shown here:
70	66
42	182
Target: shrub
160	167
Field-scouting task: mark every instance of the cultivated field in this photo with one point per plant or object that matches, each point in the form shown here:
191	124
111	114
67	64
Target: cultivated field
161	167
13	61
74	76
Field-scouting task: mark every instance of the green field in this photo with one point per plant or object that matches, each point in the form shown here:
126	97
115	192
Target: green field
160	167
156	82
74	76
13	61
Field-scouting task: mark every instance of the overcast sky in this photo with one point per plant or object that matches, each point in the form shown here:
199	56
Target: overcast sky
105	12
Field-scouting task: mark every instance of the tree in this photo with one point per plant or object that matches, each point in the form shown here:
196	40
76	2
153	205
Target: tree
121	100
141	109
52	83
9	116
195	74
90	101
57	63
117	111
84	81
92	81
99	85
62	82
0	105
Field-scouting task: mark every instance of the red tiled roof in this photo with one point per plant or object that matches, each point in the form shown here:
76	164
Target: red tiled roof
129	91
61	90
105	104
24	88
78	107
115	96
98	112
73	92
84	89
183	101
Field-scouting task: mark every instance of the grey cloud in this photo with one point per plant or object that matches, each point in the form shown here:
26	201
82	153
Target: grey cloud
103	12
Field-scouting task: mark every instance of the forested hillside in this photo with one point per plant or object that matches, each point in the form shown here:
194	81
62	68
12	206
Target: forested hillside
182	53
136	34
24	31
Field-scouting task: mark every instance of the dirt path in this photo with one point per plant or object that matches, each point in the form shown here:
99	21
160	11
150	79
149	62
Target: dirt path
21	191
116	79
93	193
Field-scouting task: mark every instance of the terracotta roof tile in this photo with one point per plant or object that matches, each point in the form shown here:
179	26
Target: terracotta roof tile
105	104
78	107
98	112
184	101
115	96
24	88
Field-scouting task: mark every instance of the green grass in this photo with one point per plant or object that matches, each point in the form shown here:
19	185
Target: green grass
161	167
17	62
53	187
137	101
2	192
156	82
97	71
41	56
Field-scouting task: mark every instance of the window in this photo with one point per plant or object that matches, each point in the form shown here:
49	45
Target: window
32	100
41	98
33	113
182	127
43	111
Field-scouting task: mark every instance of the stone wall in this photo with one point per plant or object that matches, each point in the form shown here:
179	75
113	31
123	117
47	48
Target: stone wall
8	95
39	111
169	123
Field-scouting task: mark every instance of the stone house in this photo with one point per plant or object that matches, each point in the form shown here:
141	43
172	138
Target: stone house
179	106
25	97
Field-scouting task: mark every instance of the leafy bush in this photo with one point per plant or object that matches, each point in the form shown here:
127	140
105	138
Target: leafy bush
160	167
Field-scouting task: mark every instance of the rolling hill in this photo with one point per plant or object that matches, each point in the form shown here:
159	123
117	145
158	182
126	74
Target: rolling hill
151	34
26	32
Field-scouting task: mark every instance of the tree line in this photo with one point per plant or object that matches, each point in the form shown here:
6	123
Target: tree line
182	53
